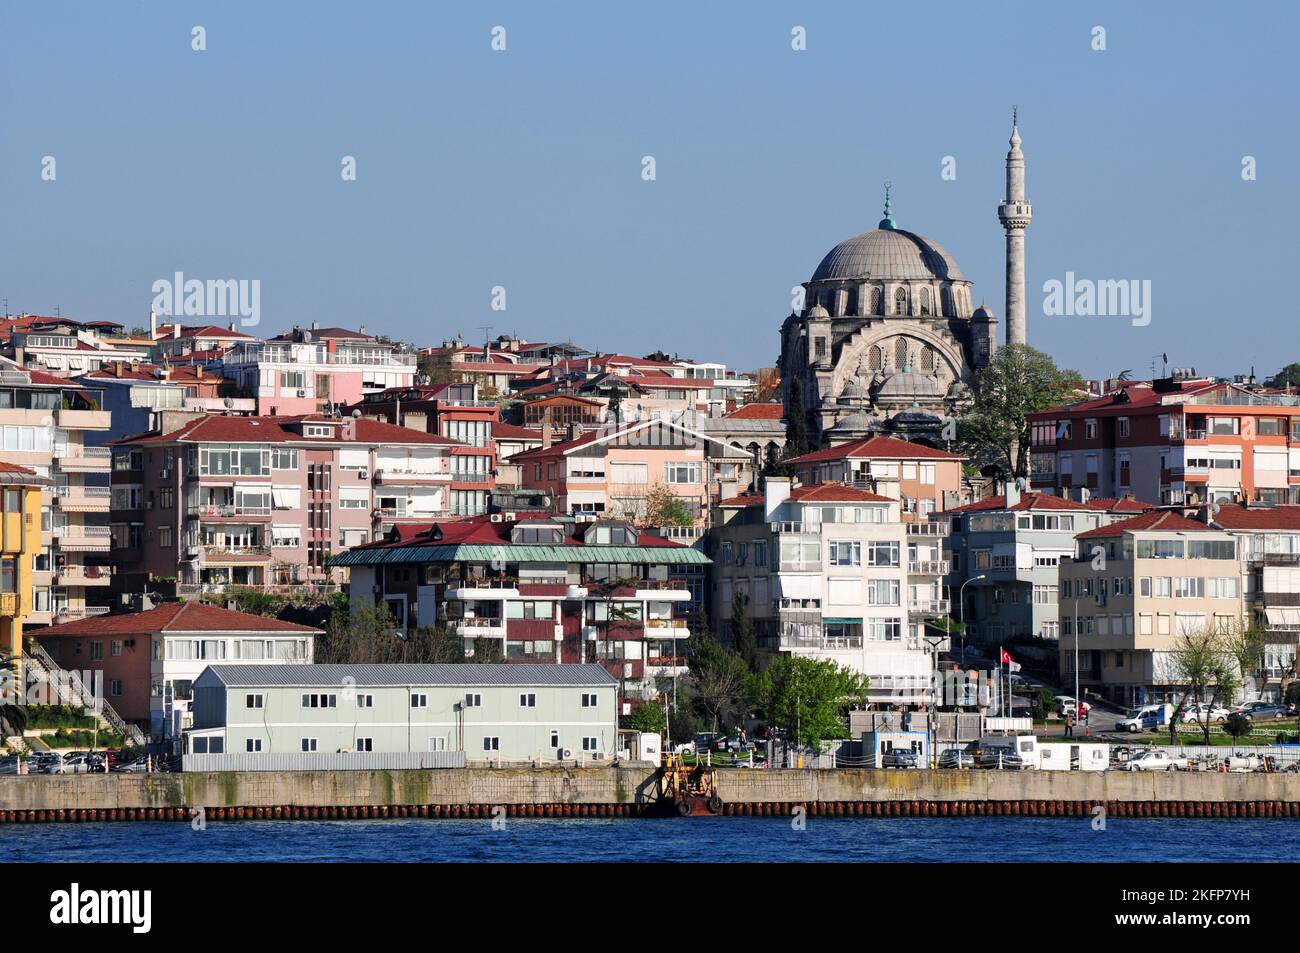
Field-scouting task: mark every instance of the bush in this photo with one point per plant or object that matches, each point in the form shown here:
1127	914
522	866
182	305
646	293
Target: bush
1237	725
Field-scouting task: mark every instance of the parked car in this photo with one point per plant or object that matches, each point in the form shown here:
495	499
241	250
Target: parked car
1196	714
956	758
1154	760
45	762
82	763
1002	757
1067	706
1266	712
1147	718
9	765
899	758
141	765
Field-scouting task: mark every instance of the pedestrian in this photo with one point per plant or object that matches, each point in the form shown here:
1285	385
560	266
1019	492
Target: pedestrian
1069	725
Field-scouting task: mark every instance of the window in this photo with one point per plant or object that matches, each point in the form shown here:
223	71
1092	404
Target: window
528	700
115	687
474	701
365	701
845	553
589	744
492	743
682	472
96	650
588	699
883	592
882	554
437	743
115	647
282	459
309	745
365	744
165	537
419	700
253	745
254	701
320	701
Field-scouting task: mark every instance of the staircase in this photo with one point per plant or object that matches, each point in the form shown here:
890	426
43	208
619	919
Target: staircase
69	689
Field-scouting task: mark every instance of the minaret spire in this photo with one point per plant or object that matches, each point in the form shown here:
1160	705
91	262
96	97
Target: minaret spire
888	220
1015	214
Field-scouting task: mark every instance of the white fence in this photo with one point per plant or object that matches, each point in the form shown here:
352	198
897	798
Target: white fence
326	761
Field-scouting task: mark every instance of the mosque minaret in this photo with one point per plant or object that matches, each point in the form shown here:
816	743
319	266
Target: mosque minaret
1015	213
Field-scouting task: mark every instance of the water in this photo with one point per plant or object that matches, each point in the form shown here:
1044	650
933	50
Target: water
753	839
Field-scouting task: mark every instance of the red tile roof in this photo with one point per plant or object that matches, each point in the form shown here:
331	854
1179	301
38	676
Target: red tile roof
879	447
201	331
743	501
836	493
1028	501
1165	520
174	617
222	429
1123	504
15	469
504	431
758	412
1235	516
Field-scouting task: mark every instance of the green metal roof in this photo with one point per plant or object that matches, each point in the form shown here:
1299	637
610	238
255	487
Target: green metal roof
477	553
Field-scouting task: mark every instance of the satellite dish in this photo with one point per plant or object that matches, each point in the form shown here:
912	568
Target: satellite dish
356	414
1022	484
229	402
306	337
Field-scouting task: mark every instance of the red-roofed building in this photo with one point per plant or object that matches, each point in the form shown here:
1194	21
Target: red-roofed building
1173	441
758	412
925	479
267	500
1133	589
149	660
829	571
67	348
314	370
541	589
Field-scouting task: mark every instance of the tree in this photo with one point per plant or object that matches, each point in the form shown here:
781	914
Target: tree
663	507
1019	381
743	641
1202	660
13	717
796	421
719	679
648	716
808	697
436	366
1288	376
1237	726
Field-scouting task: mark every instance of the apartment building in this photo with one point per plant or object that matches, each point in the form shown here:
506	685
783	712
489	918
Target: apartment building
539	589
1135	587
314	370
924	479
20	540
48	424
1268	538
455	412
149	661
1172	441
1005	552
63	347
267	500
138	397
609	472
490	713
196	341
825	572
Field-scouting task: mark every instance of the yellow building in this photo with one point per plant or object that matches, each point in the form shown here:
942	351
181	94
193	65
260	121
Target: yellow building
20	539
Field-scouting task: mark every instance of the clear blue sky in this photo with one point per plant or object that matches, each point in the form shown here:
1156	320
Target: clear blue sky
522	168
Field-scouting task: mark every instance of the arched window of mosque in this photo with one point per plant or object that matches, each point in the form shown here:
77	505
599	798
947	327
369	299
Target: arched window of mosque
877	301
900	353
927	358
875	357
925	300
945	298
852	306
900	301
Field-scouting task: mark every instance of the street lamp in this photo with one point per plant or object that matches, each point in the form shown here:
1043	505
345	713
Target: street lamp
961	613
934	642
1078	702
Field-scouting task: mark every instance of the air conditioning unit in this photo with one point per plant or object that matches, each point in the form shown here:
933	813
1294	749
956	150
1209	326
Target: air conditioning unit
363	473
598	756
164	474
566	754
302	393
497	518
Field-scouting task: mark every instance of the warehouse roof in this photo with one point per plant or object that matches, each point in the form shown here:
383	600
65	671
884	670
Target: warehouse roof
396	675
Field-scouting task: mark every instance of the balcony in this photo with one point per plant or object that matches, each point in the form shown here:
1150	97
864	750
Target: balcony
795	526
71	614
479	628
482	590
84	539
220	554
667	629
83	576
933	528
930	607
8	603
73	458
928	567
413	478
83	419
83	499
229	511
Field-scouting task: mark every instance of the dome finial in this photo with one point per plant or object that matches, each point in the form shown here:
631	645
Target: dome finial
888	220
1015	127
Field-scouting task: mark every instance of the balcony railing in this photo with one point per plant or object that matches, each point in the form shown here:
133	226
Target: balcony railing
928	567
933	528
931	606
673	624
223	510
91	492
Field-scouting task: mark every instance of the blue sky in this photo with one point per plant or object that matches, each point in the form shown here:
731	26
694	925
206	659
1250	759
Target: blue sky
522	169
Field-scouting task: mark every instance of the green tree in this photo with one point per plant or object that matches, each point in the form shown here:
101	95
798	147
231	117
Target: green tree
436	365
796	421
1019	381
648	716
719	680
808	697
1288	376
743	641
1202	661
13	717
663	507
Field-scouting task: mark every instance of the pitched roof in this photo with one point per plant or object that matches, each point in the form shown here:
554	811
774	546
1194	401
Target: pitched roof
1163	520
399	674
757	412
1123	504
1235	516
835	493
1028	501
175	617
501	430
222	429
880	447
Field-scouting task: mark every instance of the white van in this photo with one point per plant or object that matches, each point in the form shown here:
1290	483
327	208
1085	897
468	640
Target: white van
1146	718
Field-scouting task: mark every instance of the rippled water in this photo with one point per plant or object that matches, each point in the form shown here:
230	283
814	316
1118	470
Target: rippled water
691	839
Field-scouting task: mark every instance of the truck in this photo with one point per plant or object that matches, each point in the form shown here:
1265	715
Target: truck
1154	760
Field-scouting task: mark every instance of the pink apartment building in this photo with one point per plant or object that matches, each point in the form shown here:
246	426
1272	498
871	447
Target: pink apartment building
266	500
311	370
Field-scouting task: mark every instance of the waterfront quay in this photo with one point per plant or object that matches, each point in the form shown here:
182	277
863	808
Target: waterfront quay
630	790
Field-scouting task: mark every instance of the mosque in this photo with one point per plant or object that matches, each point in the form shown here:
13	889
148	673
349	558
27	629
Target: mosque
887	342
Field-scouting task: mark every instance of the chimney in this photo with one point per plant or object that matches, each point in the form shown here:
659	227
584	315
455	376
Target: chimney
361	329
776	492
546	429
176	330
117	368
315	325
1011	492
153	325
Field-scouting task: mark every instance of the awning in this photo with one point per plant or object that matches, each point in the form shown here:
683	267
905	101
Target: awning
1282	615
654	556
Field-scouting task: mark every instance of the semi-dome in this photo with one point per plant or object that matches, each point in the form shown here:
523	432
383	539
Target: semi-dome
888	253
909	384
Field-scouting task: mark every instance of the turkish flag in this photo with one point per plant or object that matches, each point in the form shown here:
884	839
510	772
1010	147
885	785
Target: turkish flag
1006	657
